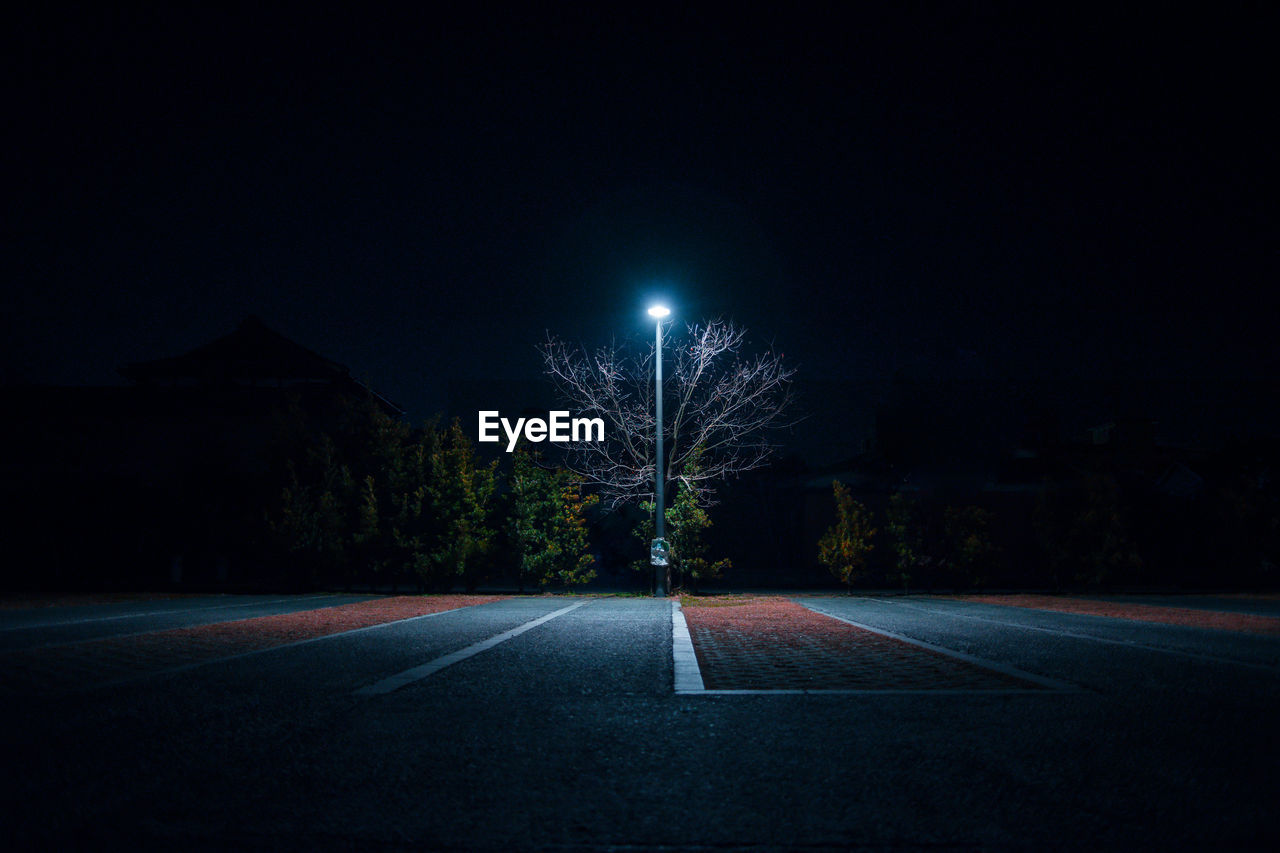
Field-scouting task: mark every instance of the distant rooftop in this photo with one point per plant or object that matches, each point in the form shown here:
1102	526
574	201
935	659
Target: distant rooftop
252	355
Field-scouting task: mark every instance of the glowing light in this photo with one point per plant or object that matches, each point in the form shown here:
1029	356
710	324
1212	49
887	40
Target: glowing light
659	311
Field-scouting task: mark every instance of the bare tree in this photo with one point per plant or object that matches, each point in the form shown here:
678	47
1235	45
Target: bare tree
719	402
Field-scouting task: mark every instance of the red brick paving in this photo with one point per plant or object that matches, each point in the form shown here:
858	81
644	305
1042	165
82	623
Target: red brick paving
767	643
80	665
1251	623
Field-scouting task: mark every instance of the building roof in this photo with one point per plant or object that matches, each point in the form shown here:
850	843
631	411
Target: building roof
252	355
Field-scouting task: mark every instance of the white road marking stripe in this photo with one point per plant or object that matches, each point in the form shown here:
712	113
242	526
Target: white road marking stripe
417	673
1005	669
688	678
1078	636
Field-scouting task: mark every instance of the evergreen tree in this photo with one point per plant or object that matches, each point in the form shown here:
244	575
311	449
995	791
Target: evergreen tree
1085	532
378	503
366	537
843	549
686	520
414	525
549	525
970	550
354	504
905	527
313	515
461	495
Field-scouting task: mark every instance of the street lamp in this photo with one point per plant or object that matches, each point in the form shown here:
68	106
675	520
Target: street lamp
658	551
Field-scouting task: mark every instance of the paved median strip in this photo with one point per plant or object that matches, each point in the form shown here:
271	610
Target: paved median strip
430	668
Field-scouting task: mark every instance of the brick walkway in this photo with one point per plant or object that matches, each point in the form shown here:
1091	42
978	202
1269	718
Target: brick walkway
766	643
79	666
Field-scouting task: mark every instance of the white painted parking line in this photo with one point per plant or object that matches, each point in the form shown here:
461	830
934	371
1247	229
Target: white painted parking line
1005	669
688	678
1078	636
417	673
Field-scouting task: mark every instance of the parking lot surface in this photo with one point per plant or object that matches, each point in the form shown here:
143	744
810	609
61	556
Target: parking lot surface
553	722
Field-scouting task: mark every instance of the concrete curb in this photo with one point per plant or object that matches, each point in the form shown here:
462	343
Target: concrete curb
688	678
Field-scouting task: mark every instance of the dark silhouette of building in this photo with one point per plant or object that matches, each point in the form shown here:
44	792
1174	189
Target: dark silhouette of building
164	482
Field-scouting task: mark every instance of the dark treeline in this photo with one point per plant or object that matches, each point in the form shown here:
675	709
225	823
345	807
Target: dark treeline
167	488
1089	518
378	504
161	489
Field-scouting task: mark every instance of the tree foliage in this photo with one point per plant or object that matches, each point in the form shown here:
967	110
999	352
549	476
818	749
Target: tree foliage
905	526
377	502
549	523
685	522
413	523
971	553
844	548
312	518
460	492
1085	532
1244	522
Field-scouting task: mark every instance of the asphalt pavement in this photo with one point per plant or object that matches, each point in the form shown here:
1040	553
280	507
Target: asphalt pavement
550	722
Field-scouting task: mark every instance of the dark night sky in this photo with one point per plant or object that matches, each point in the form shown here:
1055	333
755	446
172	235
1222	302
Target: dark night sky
1081	195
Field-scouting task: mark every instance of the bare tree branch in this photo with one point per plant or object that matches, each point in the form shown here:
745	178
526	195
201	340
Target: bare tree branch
726	404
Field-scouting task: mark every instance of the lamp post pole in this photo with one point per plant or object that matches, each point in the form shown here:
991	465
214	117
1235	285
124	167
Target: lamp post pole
660	588
659	550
